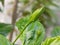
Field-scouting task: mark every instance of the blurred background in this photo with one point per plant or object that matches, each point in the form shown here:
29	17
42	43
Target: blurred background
50	18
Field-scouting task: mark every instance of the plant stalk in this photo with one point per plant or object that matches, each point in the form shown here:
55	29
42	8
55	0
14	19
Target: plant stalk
14	17
20	33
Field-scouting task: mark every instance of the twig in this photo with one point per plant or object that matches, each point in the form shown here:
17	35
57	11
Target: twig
21	32
14	16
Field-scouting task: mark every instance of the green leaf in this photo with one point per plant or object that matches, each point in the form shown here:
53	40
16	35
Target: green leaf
4	41
55	31
36	14
32	18
27	20
33	34
52	41
22	22
5	29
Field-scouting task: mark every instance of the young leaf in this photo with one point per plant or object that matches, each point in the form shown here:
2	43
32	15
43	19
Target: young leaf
52	41
5	29
28	19
4	41
36	14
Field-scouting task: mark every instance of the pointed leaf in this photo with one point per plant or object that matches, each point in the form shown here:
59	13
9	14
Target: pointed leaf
26	21
36	14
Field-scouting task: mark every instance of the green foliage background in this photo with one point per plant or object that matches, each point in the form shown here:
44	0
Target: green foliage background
34	32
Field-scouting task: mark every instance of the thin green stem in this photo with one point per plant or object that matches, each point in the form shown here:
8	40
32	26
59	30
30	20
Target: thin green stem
20	33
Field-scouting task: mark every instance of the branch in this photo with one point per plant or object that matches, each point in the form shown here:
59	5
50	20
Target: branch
14	17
